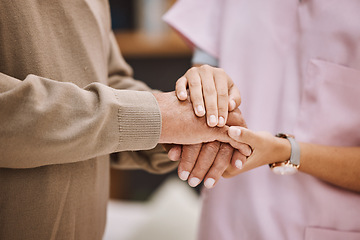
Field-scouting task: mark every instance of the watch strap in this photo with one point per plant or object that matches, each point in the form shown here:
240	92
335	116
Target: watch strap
295	151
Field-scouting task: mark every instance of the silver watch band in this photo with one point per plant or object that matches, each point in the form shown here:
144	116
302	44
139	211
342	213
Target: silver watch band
295	151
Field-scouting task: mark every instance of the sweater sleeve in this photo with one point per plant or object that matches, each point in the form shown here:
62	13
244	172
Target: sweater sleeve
120	77
46	122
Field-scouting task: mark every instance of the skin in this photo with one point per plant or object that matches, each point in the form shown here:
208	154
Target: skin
211	91
207	161
214	92
337	165
181	126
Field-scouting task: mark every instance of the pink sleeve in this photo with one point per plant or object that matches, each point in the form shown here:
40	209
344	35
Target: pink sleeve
198	22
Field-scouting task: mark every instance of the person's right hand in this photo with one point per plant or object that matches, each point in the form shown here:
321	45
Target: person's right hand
212	91
181	126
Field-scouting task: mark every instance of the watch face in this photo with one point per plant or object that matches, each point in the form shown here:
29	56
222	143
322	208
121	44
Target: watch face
284	170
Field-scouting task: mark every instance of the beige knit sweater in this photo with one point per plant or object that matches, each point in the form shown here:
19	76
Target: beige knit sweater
59	120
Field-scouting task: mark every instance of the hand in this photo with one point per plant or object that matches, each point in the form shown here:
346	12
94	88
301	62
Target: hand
181	126
213	86
266	149
207	161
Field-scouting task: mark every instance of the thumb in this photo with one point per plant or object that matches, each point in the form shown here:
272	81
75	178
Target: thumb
241	134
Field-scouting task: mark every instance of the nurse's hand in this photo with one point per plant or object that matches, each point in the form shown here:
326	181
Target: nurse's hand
212	91
266	149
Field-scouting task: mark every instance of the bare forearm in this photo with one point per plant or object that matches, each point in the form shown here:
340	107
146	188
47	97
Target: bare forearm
337	165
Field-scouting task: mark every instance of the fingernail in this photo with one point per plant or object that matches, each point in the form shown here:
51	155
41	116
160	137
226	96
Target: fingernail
200	110
182	95
234	131
221	121
212	120
209	183
184	175
193	182
232	105
239	164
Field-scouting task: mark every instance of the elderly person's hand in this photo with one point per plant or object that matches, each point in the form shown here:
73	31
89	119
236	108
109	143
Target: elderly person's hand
212	91
208	161
181	126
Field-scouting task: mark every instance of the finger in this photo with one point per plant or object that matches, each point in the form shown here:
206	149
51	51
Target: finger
238	160
180	88
195	89
234	96
243	135
167	147
189	156
210	95
221	84
244	148
221	163
174	153
231	171
204	162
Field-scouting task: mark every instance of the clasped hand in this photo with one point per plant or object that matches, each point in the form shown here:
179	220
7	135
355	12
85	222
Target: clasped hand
198	125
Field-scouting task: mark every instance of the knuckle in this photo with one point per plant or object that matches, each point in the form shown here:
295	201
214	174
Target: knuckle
210	89
213	147
194	80
192	70
223	108
222	93
226	147
205	67
186	162
221	71
194	84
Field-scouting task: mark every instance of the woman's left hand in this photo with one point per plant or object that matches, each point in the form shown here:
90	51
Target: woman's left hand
266	149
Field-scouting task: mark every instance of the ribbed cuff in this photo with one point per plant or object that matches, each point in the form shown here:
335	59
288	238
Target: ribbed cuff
139	120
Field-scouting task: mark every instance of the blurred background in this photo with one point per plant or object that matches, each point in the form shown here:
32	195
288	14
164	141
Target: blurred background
143	205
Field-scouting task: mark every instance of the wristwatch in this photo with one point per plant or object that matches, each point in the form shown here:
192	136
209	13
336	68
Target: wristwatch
292	165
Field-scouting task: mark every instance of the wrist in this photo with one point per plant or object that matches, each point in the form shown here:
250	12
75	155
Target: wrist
292	162
160	101
283	150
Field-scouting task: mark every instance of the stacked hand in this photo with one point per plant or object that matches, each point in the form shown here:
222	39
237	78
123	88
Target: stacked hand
210	135
204	147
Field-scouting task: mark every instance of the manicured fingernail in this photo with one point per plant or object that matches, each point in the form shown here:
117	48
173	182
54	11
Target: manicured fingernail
234	131
239	164
193	182
184	175
182	95
232	105
221	121
209	183
200	110
212	120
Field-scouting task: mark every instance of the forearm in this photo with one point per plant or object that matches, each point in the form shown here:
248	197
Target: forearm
48	122
337	165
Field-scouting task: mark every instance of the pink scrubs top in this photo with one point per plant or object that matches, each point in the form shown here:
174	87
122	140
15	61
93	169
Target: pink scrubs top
297	65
